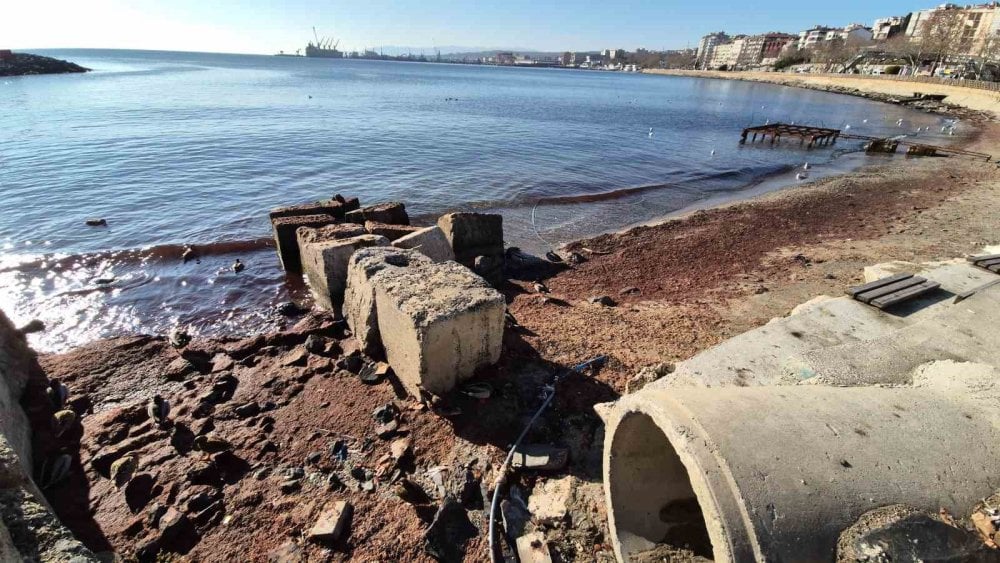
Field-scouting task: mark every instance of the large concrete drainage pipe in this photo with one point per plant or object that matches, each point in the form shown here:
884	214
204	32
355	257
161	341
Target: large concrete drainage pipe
776	473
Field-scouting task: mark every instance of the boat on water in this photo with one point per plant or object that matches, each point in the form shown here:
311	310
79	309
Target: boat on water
324	48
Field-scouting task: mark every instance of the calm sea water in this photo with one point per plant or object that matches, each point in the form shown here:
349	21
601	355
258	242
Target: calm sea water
183	148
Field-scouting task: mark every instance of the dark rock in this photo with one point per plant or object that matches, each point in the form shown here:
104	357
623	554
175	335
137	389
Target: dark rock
628	291
314	458
22	64
178	369
315	344
290	309
602	300
290	486
908	535
247	410
32	327
449	532
297	358
287	552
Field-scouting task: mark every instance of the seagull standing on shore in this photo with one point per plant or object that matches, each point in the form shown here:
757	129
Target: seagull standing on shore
801	176
158	409
650	131
806	166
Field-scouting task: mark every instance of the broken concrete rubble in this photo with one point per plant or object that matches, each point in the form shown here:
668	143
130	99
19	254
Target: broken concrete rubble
438	323
332	523
286	237
430	241
325	264
549	501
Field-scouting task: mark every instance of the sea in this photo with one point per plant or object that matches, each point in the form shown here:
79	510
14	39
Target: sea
175	149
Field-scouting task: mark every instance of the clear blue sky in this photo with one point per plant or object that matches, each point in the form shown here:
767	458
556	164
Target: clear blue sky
266	26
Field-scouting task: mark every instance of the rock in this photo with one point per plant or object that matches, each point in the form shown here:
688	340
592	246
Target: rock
359	296
98	222
514	512
602	300
297	357
315	344
286	237
898	533
179	337
392	213
247	410
533	549
290	486
325	264
542	457
290	309
438	324
629	291
549	501
171	522
386	430
62	421
329	207
331	524
429	241
449	532
122	469
32	327
211	444
21	64
222	362
648	375
400	448
287	552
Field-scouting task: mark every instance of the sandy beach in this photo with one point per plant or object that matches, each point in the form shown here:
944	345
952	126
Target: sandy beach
678	287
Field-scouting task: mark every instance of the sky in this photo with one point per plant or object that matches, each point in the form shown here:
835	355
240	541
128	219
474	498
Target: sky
269	26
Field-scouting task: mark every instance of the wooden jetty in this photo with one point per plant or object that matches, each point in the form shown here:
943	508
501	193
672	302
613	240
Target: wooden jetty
806	134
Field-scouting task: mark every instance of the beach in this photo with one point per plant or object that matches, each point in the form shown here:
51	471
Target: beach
674	288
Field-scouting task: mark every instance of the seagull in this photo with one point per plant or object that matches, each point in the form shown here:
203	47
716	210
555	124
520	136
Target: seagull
847	127
540	287
806	166
188	254
650	131
864	121
801	176
158	409
713	152
238	266
57	393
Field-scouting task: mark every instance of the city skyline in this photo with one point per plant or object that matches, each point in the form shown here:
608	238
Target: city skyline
261	27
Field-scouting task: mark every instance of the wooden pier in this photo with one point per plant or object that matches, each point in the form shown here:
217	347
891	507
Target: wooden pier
806	134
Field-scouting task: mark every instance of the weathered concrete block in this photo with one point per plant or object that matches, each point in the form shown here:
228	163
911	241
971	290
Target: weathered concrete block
473	234
286	238
393	213
391	232
329	232
430	241
325	207
325	264
438	323
349	203
477	241
359	297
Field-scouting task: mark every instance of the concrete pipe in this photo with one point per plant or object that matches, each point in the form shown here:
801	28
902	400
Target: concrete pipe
776	473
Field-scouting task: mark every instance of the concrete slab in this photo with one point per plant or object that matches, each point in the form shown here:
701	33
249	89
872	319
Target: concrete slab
438	323
393	213
286	237
477	242
389	231
325	263
359	296
329	232
324	207
430	241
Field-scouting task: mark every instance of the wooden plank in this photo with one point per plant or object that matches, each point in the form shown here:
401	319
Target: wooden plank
853	291
905	295
871	295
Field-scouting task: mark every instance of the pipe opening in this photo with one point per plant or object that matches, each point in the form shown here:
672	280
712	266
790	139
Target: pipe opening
656	512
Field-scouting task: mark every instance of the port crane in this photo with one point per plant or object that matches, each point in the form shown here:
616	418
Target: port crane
325	43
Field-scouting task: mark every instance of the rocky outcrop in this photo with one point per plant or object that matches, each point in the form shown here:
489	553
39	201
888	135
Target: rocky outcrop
23	64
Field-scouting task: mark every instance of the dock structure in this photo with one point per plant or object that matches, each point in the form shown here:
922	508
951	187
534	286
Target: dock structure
806	134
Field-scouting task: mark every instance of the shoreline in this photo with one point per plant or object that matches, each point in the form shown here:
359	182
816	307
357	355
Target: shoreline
680	286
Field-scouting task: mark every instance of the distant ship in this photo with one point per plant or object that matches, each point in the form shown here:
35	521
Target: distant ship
323	48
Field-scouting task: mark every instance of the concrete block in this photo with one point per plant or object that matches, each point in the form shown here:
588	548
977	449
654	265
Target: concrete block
473	234
393	213
286	238
389	231
430	241
332	523
532	548
438	323
359	296
325	207
477	242
325	264
549	502
329	232
349	203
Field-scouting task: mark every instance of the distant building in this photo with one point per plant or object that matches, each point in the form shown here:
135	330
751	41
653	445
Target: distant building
763	48
979	22
887	28
505	58
613	54
707	44
821	34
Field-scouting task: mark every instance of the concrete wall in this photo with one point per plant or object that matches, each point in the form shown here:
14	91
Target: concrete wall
28	529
